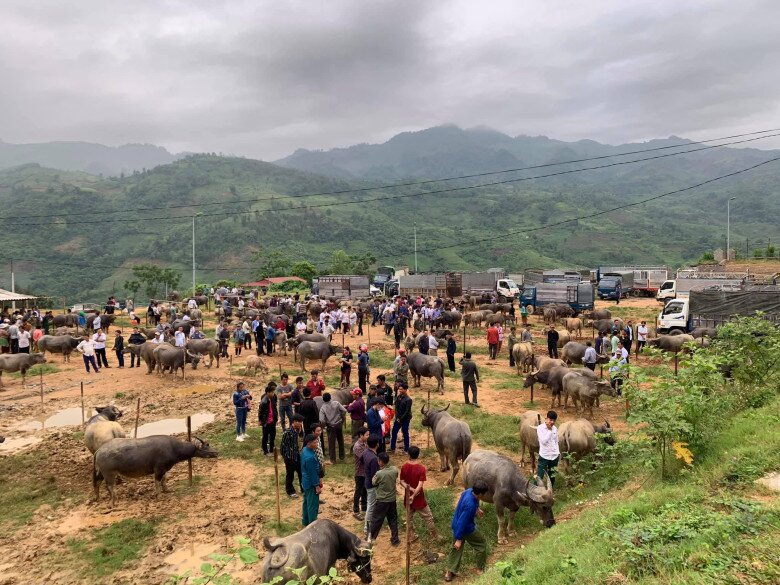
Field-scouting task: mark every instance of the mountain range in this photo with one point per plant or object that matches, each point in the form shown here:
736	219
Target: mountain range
74	235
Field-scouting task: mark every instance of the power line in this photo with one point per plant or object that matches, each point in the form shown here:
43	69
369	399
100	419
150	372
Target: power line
402	196
604	212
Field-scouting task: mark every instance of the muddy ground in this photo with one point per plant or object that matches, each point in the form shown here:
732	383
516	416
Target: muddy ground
234	494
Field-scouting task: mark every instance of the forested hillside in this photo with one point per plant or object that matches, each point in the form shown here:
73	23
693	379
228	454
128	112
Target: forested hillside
76	250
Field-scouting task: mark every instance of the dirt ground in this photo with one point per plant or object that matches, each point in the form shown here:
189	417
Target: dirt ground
232	495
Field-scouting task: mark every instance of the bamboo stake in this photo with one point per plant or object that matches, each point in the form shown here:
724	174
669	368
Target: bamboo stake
82	402
189	438
429	428
276	476
137	414
41	377
408	500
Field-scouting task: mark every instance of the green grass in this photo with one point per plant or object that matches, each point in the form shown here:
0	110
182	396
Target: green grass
113	548
34	371
22	494
223	439
702	528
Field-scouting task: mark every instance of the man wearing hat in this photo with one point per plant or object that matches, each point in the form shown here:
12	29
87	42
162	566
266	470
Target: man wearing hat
357	412
310	480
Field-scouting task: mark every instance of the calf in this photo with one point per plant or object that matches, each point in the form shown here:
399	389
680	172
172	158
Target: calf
253	362
585	389
19	362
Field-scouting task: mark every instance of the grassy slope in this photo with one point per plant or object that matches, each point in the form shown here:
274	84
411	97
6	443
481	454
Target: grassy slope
712	526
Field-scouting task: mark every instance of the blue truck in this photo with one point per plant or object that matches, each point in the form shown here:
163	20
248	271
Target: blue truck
579	296
610	282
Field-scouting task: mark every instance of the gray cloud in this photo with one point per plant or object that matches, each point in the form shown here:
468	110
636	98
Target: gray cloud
262	78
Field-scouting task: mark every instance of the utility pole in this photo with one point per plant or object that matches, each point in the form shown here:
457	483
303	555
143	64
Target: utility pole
415	248
193	255
13	285
728	228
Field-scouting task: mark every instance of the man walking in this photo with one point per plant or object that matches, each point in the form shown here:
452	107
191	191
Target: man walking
464	530
332	415
241	398
469	374
511	340
628	337
492	339
119	348
549	453
87	349
291	455
370	467
100	348
641	336
403	416
385	506
451	347
552	342
268	415
413	477
359	497
310	480
284	394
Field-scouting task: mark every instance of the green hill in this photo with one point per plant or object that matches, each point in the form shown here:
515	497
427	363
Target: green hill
74	251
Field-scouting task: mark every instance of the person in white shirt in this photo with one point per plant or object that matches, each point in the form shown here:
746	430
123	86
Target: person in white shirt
87	349
641	335
159	337
24	340
327	328
549	453
500	337
192	304
353	319
590	358
300	328
433	345
619	362
185	318
96	324
180	339
99	338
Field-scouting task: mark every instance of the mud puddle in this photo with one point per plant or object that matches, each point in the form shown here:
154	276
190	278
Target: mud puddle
190	557
67	417
14	445
174	426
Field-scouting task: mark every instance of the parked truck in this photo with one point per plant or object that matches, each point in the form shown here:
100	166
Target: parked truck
579	296
647	279
612	282
341	286
476	283
680	288
713	307
454	284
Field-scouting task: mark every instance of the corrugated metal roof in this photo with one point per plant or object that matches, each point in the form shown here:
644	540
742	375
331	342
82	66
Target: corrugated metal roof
273	280
7	295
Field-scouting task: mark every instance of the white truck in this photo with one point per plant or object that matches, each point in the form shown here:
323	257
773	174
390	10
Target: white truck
681	288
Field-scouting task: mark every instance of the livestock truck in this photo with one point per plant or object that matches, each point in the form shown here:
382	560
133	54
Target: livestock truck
341	286
714	307
441	284
476	283
610	282
681	287
579	296
647	279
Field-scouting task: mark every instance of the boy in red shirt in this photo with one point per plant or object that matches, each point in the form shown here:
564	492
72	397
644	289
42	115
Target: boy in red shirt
316	384
413	476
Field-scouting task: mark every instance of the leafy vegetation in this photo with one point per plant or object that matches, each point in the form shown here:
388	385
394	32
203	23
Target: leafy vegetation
113	547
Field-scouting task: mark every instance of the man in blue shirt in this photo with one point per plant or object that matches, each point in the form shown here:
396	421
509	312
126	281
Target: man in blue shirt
375	422
464	529
310	480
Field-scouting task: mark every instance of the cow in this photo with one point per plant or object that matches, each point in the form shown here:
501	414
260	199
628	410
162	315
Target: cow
508	490
19	362
574	324
102	427
427	366
174	358
205	347
313	551
255	362
578	437
451	436
154	455
64	344
585	389
321	350
523	354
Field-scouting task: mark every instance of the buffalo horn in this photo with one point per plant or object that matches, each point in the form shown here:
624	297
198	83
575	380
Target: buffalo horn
447	407
202	442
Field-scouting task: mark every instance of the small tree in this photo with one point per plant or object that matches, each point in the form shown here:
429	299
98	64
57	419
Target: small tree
341	263
305	270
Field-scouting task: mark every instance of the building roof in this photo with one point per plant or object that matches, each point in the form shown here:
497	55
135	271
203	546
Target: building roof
273	280
7	295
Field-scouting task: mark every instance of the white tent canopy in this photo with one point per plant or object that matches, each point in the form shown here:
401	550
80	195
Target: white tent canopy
8	296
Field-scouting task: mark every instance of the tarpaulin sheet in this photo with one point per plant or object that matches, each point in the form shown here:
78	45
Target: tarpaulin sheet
721	302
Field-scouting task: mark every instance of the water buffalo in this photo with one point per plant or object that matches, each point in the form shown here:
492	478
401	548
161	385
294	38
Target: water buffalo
564	337
670	343
551	377
19	362
322	350
64	331
64	344
498	319
477	317
205	347
255	362
542	362
67	320
448	319
280	341
700	332
508	490
153	455
550	315
529	420
605	325
563	309
523	354
315	549
103	427
427	366
145	351
105	321
201	300
585	389
174	358
574	351
574	324
298	339
578	437
597	314
451	436
185	325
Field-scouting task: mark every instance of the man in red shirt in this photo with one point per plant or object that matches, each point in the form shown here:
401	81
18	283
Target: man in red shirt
413	476
279	325
316	384
492	339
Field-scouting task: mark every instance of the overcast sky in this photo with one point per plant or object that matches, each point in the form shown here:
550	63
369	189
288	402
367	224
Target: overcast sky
262	78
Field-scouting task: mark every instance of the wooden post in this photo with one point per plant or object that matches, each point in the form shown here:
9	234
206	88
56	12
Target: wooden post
628	408
276	477
601	371
464	338
137	414
342	337
675	362
368	328
41	377
408	501
532	393
189	438
82	402
429	428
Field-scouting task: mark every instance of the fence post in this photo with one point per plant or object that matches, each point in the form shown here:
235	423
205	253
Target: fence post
429	428
276	476
137	414
41	376
675	362
532	393
189	438
82	402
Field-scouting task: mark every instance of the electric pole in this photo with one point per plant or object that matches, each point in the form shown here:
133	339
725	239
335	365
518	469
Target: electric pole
193	255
